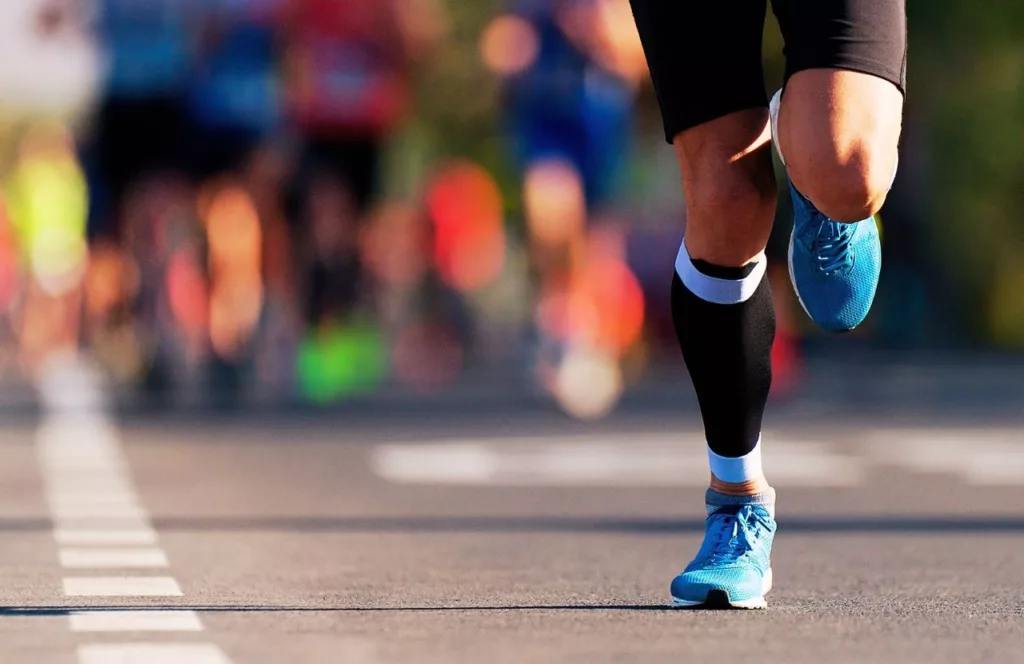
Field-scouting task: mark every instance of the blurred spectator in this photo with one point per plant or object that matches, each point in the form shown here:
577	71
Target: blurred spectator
235	111
46	199
50	65
233	96
135	157
141	125
348	78
348	72
570	81
570	68
49	72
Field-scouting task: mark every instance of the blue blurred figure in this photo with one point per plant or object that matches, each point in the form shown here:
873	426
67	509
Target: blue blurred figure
234	97
568	103
141	125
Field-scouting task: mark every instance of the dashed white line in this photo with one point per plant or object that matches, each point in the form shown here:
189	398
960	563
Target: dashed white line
151	653
92	498
104	537
98	512
121	586
135	621
120	558
100	524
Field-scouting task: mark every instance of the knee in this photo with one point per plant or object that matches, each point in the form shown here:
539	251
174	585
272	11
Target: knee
839	131
846	183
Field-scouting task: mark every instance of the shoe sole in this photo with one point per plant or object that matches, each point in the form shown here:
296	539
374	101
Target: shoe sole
773	112
792	276
718	599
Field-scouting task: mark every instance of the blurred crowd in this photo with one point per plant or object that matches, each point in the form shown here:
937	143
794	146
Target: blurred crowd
212	197
192	193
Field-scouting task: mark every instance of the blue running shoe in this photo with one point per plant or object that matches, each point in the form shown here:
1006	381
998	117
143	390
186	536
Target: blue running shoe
733	569
834	266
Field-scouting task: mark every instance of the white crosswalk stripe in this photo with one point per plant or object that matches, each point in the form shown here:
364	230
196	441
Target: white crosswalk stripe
135	621
979	457
639	460
151	653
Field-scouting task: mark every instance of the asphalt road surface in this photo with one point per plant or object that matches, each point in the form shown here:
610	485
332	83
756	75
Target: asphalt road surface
445	540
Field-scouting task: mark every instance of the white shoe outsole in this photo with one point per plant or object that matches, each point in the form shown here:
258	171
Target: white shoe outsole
792	277
720	599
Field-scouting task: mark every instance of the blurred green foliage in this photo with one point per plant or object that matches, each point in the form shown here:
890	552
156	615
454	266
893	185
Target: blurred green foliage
966	76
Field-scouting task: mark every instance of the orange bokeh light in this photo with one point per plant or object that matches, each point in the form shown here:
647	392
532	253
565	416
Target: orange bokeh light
600	306
469	234
555	202
235	238
509	45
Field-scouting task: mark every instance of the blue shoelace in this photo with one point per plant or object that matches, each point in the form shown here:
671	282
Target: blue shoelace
735	535
829	242
831	245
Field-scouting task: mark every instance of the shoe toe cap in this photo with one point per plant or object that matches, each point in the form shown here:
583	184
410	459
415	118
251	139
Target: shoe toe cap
839	302
739	584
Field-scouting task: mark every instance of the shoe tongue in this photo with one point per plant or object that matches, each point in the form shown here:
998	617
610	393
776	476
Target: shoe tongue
730	510
718	503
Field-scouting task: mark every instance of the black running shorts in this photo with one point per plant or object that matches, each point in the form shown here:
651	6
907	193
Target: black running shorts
705	55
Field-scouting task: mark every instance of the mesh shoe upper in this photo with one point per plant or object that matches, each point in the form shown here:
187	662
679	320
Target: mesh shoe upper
834	266
735	555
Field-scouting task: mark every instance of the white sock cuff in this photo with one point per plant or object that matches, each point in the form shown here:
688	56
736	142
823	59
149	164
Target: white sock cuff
895	170
773	114
736	470
714	290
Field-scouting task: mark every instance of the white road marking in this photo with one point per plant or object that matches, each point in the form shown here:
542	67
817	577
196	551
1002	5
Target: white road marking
633	460
97	537
74	482
121	586
151	653
92	498
979	457
102	524
98	512
95	523
135	621
121	558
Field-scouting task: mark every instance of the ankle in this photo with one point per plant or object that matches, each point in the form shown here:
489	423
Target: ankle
750	487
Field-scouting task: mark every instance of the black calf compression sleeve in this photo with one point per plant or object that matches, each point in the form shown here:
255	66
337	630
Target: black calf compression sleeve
725	322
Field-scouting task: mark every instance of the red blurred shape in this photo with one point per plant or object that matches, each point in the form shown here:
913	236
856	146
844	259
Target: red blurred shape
469	235
186	291
601	306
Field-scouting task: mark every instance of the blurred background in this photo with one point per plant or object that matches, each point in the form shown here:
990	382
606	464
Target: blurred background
293	203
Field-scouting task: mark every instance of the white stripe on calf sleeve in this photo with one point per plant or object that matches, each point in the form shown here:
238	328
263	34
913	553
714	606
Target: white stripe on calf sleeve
736	470
714	290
